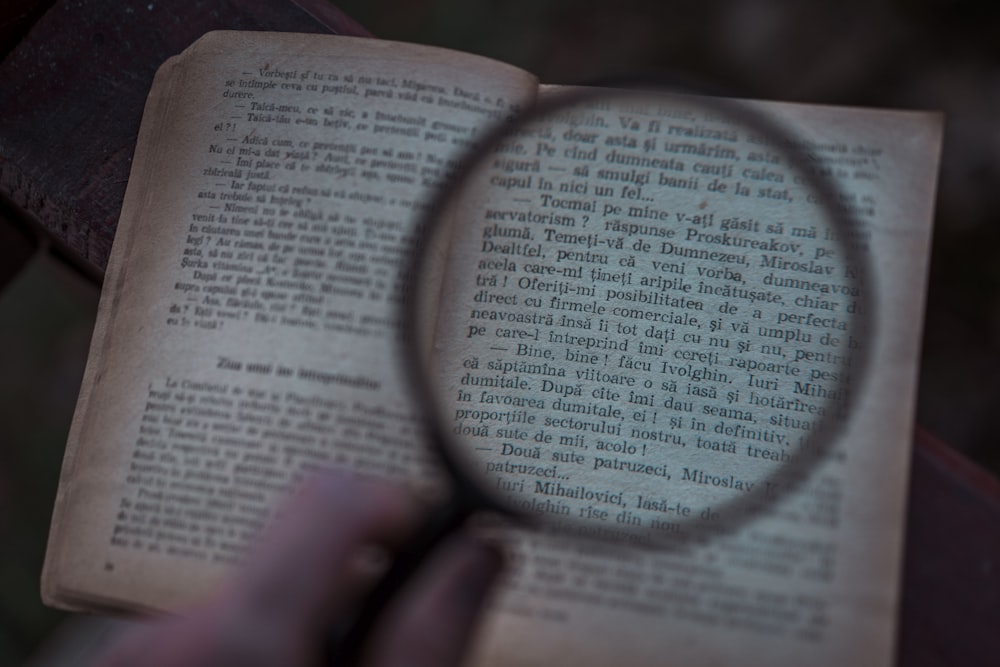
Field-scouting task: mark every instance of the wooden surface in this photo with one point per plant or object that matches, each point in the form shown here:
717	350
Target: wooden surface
71	97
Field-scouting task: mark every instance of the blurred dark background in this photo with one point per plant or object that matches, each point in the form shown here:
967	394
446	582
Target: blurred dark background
919	54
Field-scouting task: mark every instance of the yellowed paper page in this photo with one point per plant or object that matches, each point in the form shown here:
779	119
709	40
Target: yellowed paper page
246	330
815	584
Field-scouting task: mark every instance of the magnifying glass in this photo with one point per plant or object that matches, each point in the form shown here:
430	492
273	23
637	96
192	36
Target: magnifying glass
635	316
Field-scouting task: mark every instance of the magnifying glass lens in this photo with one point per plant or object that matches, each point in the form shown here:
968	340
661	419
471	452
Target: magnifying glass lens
637	314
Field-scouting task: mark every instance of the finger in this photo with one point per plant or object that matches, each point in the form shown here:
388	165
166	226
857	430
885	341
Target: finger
309	557
432	624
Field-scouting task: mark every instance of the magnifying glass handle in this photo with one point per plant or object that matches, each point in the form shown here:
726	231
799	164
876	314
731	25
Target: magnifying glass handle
347	640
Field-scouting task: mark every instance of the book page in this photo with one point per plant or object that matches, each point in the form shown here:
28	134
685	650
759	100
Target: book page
243	335
814	580
246	333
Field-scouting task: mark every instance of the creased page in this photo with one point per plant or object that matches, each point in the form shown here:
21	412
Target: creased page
246	330
568	393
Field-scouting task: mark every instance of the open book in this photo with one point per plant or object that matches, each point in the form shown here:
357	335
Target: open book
245	338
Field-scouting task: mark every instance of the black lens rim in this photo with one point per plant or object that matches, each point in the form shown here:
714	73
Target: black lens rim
751	116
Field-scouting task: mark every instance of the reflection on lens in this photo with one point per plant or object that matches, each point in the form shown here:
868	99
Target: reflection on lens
649	315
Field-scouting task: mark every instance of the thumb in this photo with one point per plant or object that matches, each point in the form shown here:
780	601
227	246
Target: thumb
432	623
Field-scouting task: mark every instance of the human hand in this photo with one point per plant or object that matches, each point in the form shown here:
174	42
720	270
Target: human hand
306	574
